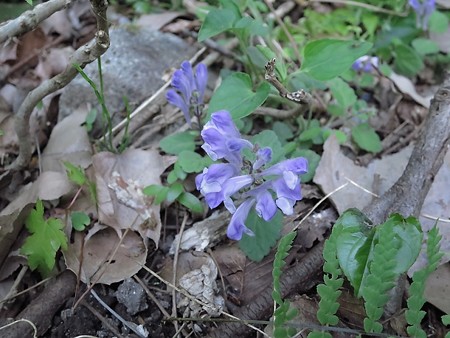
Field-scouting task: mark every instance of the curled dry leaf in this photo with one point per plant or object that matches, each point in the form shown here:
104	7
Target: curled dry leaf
105	257
69	141
334	167
120	180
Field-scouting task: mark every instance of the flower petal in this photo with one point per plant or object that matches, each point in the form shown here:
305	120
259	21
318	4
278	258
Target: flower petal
201	78
265	206
237	227
297	165
175	99
263	156
232	186
286	205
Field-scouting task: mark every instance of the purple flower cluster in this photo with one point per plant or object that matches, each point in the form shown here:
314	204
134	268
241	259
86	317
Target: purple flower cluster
365	64
188	88
423	9
265	189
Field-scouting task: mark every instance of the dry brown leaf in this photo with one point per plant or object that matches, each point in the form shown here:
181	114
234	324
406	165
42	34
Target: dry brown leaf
101	248
8	51
49	186
120	180
378	177
57	23
69	141
437	288
156	21
406	86
53	62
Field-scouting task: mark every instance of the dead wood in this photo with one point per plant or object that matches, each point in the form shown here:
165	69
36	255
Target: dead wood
406	197
43	308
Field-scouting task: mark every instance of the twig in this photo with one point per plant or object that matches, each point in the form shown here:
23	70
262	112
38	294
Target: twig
174	270
299	96
22	320
29	20
285	30
152	297
101	318
132	326
82	56
364	5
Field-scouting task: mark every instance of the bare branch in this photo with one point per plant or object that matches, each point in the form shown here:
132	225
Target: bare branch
299	96
29	20
82	56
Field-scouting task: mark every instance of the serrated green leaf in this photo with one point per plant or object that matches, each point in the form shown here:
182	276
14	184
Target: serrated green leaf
191	162
75	174
191	202
266	235
79	220
366	138
327	58
45	240
216	22
176	143
236	95
342	92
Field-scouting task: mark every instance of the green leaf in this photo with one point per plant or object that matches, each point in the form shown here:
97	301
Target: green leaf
45	240
370	22
175	190
266	235
235	94
216	22
176	143
191	162
425	46
353	245
313	161
158	191
327	58
79	220
30	2
340	135
342	92
438	22
283	131
191	202
366	138
75	174
407	60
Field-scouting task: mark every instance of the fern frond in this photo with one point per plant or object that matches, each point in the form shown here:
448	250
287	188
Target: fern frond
329	291
283	313
381	277
414	314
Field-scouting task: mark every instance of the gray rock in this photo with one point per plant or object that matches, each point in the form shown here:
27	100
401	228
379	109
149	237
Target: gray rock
132	296
132	67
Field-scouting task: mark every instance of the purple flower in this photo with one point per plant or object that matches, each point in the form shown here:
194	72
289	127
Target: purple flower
365	64
211	182
265	189
188	89
423	10
263	156
237	227
222	139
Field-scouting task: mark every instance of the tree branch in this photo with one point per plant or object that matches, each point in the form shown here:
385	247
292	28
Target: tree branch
82	56
29	20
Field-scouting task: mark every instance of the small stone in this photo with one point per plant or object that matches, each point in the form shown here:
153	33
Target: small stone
132	296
